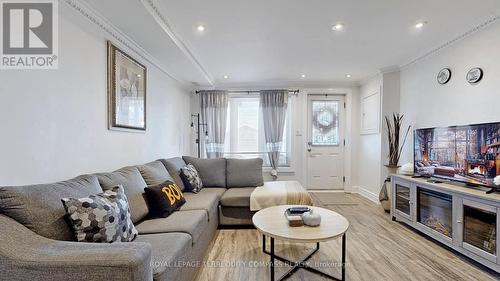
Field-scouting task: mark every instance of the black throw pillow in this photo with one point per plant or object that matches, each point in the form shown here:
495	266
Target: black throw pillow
164	199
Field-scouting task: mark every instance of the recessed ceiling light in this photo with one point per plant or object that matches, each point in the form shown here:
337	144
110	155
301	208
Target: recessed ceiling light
303	76
348	75
338	27
200	28
420	24
226	76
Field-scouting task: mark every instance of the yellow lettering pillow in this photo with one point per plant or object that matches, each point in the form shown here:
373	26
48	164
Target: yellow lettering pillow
164	199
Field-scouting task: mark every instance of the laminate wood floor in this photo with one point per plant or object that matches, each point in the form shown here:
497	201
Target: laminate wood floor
377	249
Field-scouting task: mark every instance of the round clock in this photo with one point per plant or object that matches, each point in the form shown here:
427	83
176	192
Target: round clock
474	75
444	76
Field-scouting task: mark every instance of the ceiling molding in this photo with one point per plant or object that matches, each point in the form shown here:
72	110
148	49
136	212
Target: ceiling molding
276	84
118	37
389	69
447	44
162	21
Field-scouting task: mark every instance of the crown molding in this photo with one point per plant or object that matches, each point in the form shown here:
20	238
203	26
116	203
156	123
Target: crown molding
162	21
449	43
119	38
389	69
276	84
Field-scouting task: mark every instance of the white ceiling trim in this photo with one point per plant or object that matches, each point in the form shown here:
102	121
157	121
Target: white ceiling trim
119	37
163	22
276	84
452	41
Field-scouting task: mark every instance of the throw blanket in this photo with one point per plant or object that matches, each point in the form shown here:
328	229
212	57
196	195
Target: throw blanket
279	193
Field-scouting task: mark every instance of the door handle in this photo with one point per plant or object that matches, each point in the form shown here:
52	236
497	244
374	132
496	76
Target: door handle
309	148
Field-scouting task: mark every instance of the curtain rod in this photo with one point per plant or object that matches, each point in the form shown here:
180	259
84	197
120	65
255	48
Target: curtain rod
255	91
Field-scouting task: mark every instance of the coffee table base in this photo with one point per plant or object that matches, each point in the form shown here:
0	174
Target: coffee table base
300	264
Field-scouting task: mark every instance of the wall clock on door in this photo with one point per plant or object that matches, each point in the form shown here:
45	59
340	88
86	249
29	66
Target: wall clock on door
444	76
474	75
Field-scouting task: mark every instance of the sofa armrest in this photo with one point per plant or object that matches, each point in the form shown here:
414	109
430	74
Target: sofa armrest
25	255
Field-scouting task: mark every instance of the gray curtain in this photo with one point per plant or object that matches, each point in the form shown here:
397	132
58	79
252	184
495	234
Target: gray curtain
274	104
214	115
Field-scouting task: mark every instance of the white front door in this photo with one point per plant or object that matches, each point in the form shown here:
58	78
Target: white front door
325	142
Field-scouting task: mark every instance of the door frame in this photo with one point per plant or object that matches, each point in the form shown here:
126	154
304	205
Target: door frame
348	133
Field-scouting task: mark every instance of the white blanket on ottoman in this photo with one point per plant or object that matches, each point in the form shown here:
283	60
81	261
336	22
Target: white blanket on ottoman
279	193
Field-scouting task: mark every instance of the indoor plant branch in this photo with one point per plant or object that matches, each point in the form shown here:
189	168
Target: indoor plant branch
394	136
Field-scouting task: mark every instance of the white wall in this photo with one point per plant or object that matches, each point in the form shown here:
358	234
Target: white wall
390	105
374	147
369	152
425	103
54	123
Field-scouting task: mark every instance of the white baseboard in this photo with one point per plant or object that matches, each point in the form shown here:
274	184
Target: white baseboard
351	189
368	195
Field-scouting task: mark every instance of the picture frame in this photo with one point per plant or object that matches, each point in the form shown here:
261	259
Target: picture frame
126	91
474	75
444	76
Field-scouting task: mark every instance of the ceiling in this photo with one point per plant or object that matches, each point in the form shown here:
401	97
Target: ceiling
262	42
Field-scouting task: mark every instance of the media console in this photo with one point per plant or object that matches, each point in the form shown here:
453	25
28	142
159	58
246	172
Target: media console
463	218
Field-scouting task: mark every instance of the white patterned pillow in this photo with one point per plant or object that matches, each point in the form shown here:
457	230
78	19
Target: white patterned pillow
191	179
103	217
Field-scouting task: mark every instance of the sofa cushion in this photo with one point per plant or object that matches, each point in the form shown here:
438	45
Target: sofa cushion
168	250
154	173
201	201
192	222
213	190
39	207
174	166
164	199
102	217
237	197
212	171
133	183
244	172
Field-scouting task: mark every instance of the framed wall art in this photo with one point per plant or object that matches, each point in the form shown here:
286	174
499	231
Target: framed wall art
126	91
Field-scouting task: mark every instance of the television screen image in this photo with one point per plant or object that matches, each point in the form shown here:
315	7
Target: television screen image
469	154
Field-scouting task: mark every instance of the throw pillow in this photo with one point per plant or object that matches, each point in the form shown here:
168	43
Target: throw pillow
103	217
164	199
191	179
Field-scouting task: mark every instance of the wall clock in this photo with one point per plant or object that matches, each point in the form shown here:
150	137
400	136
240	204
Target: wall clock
444	76
474	75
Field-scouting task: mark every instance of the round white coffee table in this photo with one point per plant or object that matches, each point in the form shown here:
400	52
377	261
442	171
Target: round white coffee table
272	222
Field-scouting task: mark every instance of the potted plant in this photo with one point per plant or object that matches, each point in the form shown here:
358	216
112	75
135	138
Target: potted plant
396	145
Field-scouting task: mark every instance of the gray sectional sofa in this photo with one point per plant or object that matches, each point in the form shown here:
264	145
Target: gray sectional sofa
38	244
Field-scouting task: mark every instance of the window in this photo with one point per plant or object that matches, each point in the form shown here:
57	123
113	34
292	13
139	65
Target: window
245	130
325	125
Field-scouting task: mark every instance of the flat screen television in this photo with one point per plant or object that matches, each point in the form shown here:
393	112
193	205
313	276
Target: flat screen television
468	154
